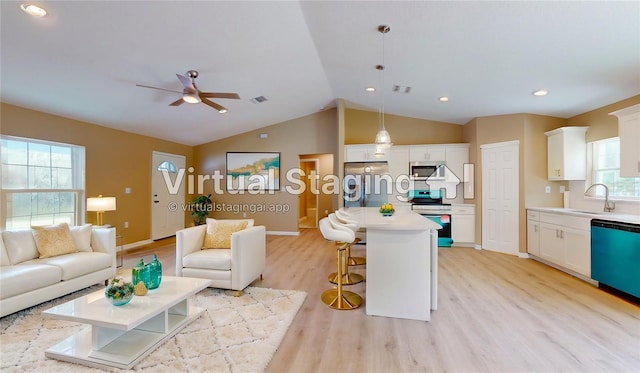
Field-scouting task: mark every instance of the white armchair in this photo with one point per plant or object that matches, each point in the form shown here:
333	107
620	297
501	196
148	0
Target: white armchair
233	268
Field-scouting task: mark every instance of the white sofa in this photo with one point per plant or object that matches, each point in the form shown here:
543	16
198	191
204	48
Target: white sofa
27	280
233	268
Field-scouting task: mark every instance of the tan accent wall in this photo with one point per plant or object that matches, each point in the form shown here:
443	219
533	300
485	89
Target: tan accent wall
312	134
601	124
361	128
114	160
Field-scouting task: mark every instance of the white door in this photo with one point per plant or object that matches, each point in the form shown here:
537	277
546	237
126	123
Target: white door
167	194
500	220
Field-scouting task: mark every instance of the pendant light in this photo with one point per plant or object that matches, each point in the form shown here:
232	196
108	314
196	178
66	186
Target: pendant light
383	140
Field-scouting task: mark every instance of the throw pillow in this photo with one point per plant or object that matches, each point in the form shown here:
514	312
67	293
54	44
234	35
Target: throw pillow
53	240
20	245
82	236
219	232
4	257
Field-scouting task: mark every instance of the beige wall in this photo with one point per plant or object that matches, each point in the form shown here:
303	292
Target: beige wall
127	163
312	134
601	124
114	160
361	128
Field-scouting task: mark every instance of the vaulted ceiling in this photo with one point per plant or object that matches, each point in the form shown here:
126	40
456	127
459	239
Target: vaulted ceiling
84	59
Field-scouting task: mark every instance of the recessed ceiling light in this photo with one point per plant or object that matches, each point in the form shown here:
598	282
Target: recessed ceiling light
33	10
443	99
370	89
540	92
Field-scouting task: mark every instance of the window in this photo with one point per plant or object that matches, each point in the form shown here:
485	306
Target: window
170	167
605	165
42	183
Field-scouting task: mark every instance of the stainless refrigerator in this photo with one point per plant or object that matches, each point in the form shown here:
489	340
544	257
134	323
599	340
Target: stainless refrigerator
364	185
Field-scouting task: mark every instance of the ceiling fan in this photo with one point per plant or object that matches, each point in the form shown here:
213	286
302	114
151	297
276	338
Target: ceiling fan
192	95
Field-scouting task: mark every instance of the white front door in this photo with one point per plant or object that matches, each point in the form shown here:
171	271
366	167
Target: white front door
500	197
167	194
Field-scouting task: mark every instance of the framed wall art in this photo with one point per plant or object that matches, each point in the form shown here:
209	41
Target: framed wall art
253	171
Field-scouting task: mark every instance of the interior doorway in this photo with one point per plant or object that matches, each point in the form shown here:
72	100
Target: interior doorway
308	201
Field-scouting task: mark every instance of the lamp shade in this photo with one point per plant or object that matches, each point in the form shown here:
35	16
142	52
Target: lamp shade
101	204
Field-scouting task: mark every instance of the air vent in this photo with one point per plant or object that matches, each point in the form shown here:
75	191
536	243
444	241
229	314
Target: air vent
401	88
259	99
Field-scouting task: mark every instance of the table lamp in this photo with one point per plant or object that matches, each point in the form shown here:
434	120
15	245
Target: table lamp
100	205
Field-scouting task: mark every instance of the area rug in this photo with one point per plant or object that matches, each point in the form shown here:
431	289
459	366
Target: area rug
234	334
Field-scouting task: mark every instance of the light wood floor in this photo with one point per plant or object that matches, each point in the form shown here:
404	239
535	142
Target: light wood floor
496	313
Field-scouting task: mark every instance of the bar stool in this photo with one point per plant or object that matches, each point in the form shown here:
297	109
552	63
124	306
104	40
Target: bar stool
337	298
347	278
346	221
345	216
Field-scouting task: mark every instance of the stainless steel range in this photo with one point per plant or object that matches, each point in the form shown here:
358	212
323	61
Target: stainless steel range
428	203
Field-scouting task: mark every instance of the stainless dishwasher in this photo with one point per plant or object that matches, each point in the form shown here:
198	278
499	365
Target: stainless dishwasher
615	255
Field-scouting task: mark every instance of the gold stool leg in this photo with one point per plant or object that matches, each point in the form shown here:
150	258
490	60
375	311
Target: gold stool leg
347	278
337	298
354	260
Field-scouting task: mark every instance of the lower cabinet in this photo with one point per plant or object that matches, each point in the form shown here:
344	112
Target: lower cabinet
463	224
533	233
561	239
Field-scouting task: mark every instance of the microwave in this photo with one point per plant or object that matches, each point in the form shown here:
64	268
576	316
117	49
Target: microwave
425	170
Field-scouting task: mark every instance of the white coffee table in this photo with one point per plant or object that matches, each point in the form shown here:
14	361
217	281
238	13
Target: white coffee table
121	336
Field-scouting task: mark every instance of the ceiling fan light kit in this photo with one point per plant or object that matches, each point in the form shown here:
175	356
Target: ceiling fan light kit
191	98
192	95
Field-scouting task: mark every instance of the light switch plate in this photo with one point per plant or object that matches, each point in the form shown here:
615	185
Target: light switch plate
547	189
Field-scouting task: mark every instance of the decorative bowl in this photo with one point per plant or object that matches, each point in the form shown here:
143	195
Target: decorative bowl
119	292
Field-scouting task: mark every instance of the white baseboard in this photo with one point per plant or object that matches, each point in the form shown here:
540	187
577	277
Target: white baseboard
133	245
283	233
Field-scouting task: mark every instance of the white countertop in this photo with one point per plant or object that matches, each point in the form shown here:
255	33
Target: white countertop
371	218
611	216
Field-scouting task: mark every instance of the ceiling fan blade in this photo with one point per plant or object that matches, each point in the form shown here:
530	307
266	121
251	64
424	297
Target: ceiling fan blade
162	89
177	102
187	83
219	95
214	105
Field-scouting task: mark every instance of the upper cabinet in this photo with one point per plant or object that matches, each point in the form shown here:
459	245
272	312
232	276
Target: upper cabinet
399	161
456	156
567	153
364	153
629	133
433	153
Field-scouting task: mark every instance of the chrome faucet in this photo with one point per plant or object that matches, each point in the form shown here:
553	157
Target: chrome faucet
608	205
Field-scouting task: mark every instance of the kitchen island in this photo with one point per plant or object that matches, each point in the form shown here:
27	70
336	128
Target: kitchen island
402	263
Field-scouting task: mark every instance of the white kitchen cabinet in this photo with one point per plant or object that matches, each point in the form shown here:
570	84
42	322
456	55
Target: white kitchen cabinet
533	233
463	224
577	250
567	153
364	153
566	241
456	155
551	244
398	161
429	153
629	133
